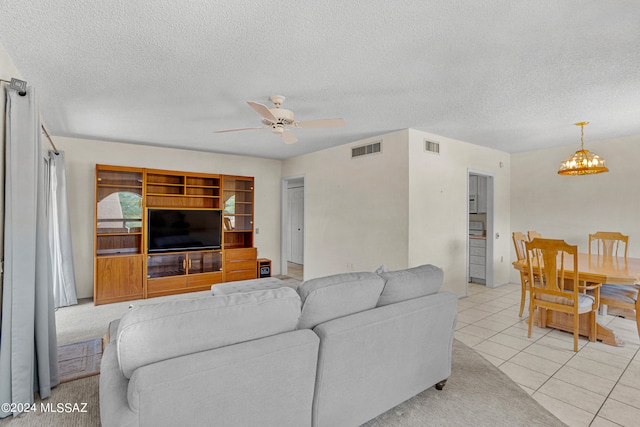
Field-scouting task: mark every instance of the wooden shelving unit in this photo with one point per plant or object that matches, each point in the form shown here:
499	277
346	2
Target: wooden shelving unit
123	270
240	255
118	234
176	189
238	212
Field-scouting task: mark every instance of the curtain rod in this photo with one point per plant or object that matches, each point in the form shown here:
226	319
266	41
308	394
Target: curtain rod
41	125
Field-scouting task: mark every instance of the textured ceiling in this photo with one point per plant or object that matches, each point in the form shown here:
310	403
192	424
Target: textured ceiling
510	75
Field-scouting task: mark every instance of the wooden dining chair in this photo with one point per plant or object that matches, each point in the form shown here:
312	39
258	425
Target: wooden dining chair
533	234
519	239
608	243
553	270
625	297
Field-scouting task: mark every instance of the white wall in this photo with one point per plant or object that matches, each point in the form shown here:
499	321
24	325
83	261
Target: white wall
438	205
403	207
355	209
82	155
571	207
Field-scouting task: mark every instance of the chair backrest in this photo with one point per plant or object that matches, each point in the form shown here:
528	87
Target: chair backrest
519	240
548	260
534	234
608	243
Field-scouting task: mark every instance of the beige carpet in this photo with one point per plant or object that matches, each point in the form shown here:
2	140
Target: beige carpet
477	394
79	360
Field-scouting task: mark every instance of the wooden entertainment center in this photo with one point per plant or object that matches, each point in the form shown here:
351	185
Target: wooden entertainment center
125	269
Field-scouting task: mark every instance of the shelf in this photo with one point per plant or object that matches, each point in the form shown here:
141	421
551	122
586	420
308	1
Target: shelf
121	251
119	178
154	179
198	196
165	184
120	234
138	187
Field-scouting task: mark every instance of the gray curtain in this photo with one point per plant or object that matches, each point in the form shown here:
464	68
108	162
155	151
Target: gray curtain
64	279
28	347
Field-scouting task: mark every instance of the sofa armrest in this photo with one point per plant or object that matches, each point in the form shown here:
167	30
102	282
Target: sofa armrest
114	408
371	361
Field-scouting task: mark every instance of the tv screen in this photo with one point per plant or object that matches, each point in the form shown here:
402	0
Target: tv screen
184	229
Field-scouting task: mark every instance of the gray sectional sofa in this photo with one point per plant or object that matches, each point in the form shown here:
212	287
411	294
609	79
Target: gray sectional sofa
338	352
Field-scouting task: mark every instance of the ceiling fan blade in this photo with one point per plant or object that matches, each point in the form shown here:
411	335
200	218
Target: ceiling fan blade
321	123
263	110
235	130
289	137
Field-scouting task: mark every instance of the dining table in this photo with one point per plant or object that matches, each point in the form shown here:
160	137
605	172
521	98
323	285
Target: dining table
592	268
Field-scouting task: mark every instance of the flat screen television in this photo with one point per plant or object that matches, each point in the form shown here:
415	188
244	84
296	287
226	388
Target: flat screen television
184	229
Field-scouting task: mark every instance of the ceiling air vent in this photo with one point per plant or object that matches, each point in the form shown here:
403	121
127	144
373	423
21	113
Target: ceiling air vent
365	150
432	147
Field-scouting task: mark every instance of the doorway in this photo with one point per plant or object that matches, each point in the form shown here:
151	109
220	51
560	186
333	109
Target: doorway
293	227
480	244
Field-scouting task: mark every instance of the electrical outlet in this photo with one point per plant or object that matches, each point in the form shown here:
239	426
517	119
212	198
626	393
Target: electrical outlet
501	259
257	230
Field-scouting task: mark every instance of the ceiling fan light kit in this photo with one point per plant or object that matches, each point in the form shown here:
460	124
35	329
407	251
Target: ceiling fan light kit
278	119
582	162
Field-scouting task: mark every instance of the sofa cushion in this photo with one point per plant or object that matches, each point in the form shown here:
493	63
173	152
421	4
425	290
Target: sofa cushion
330	297
411	283
247	286
151	333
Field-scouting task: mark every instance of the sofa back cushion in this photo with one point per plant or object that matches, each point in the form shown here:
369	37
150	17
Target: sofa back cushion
330	297
411	283
152	333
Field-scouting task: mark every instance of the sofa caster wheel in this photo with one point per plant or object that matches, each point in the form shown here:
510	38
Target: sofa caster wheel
440	385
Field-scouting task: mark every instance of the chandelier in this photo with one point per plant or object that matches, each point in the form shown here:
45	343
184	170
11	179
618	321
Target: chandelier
582	162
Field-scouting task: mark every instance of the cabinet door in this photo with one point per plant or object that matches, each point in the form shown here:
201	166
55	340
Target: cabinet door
164	265
118	278
477	271
238	211
473	185
482	194
204	262
238	203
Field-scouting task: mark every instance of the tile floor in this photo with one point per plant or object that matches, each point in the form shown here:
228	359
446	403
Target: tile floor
597	386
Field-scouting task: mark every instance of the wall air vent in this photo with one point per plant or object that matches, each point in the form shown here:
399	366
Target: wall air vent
432	147
365	150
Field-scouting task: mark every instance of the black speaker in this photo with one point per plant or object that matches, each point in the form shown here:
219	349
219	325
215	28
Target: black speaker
265	271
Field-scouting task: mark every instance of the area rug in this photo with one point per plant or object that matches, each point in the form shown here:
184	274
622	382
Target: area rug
476	394
79	360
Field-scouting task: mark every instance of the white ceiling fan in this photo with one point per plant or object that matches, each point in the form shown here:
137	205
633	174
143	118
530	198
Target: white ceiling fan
278	119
